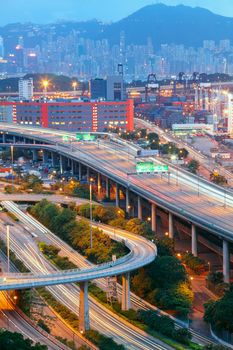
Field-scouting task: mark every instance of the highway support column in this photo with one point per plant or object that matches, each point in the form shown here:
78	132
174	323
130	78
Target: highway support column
99	185
139	208
84	321
88	174
79	171
107	188
35	155
171	226
127	204
194	240
226	262
117	195
153	217
45	156
72	167
61	164
125	306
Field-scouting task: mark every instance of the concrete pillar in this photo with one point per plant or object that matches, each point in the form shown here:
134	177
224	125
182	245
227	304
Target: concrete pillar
107	188
53	159
99	184
79	171
61	164
226	262
88	174
72	167
68	162
117	196
125	292
194	240
34	142
14	139
139	208
171	226
35	155
153	217
45	156
3	138
127	203
84	322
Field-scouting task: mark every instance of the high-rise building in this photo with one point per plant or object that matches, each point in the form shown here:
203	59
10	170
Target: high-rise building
1	47
98	89
225	45
25	89
115	88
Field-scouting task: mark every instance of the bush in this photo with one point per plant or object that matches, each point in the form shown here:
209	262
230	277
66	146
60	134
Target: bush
219	313
182	335
16	341
194	263
103	342
41	323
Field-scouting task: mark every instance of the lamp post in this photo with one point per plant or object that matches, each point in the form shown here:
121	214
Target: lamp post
8	247
91	180
12	162
45	84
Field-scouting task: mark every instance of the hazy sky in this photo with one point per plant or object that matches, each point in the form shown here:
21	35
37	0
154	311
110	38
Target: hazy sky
43	11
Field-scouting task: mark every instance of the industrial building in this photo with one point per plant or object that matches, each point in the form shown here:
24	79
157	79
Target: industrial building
70	115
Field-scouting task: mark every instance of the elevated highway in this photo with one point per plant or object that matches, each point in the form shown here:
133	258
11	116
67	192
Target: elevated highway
182	195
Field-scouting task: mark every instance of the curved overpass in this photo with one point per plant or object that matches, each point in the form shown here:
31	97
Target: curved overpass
186	196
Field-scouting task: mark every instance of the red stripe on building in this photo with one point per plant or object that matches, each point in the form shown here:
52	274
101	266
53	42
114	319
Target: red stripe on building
44	115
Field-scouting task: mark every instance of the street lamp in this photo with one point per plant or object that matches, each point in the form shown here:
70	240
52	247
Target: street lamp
12	163
91	180
45	84
74	86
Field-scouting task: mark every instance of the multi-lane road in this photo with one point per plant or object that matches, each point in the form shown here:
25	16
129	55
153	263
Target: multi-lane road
185	195
101	318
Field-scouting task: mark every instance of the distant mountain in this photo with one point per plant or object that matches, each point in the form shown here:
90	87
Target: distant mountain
171	24
163	24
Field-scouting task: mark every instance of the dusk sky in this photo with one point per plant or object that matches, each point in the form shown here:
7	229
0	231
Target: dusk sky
106	10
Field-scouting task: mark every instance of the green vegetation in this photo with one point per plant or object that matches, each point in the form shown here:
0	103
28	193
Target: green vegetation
115	217
103	342
74	188
196	264
171	149
9	189
67	315
13	341
193	166
33	183
24	301
215	283
69	343
219	313
165	282
20	265
12	216
41	323
165	326
51	253
77	233
218	179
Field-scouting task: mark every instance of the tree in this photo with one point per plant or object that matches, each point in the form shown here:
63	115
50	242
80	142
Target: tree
219	313
41	323
193	166
13	341
168	271
32	182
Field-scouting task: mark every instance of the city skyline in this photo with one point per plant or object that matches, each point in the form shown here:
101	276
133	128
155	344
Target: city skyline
99	9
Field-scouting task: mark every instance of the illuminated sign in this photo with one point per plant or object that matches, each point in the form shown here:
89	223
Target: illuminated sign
65	138
85	137
150	167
